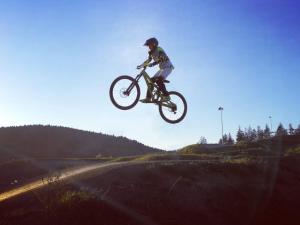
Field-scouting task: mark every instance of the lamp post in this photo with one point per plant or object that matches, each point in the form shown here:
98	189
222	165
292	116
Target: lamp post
221	109
270	117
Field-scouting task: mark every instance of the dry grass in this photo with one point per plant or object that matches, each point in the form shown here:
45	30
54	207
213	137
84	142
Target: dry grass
292	151
241	160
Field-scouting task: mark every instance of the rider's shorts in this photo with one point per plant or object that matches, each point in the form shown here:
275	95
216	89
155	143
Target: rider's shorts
164	72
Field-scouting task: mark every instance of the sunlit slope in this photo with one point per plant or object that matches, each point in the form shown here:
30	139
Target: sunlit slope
58	177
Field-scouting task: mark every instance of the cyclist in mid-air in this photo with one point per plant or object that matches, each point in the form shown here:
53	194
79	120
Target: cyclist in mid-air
159	56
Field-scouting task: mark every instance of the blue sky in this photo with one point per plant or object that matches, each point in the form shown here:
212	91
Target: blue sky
59	57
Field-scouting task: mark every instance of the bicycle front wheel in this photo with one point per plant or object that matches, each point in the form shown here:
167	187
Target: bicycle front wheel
174	110
124	92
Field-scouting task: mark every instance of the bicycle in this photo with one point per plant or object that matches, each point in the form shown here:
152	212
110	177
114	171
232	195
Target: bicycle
125	93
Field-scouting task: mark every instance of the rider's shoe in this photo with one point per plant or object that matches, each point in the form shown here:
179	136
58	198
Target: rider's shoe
146	100
165	98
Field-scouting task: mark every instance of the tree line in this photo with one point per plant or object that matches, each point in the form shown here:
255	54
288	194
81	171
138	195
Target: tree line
251	134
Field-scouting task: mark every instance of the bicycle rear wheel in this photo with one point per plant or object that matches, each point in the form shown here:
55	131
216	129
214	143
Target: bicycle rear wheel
174	110
124	92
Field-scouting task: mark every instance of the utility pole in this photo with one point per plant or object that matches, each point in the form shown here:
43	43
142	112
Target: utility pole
221	109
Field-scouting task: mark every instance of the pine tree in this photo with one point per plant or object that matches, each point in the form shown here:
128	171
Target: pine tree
225	139
253	135
260	133
280	130
240	136
230	140
267	132
220	141
250	134
202	140
297	131
247	135
291	129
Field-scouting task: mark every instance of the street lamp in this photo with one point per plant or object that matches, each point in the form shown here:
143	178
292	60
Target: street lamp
270	117
221	109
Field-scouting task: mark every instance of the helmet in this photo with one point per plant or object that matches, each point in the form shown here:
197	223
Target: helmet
153	41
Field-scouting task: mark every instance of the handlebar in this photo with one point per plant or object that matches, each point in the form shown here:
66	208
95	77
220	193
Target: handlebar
142	67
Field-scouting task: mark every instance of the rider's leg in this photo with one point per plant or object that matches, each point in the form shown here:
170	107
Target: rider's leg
162	86
149	90
161	75
148	96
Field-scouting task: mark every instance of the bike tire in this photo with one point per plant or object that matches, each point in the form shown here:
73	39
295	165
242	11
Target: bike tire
184	111
124	77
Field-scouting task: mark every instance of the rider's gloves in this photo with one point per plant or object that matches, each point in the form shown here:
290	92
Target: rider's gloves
139	67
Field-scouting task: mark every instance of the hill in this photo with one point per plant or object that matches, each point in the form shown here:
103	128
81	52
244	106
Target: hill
39	141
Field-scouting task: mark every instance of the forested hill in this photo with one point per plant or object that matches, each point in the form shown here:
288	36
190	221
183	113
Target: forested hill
39	141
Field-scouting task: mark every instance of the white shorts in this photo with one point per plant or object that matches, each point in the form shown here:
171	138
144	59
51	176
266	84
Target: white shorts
163	72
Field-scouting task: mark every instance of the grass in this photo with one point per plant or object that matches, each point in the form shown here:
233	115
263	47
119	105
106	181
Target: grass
227	156
71	197
123	159
241	160
173	156
160	156
292	151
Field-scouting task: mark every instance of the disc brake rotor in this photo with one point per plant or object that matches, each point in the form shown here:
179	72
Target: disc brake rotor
123	93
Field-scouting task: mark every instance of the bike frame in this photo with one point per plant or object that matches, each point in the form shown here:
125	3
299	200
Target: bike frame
154	89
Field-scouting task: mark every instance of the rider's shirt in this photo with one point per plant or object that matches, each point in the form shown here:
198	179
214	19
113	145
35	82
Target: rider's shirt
160	57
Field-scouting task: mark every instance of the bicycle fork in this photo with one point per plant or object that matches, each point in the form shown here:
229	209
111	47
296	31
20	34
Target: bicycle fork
131	86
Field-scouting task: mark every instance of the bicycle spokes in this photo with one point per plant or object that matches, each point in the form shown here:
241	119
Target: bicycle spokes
169	106
173	110
124	92
129	89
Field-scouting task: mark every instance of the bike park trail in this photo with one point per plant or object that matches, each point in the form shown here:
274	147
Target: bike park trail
64	175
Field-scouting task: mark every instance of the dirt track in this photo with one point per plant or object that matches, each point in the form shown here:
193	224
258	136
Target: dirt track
64	175
74	172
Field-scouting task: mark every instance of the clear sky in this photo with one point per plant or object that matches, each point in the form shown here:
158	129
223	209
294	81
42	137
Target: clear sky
59	57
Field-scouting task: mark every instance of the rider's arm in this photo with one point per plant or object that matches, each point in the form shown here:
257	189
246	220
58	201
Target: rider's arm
148	60
162	57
